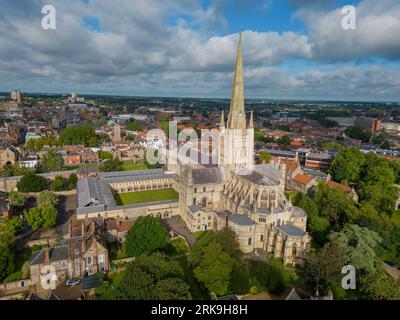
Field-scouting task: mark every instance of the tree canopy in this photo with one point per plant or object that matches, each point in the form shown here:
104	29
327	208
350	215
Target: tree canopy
84	134
31	182
146	236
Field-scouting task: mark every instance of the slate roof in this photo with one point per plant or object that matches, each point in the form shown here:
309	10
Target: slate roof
241	219
291	230
207	175
265	174
91	282
55	254
194	208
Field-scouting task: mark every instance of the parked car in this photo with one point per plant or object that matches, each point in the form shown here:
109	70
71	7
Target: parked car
72	282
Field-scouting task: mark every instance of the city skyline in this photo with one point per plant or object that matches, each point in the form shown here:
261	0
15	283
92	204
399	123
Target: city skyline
293	50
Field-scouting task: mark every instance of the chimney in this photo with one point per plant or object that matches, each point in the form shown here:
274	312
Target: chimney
92	229
46	256
83	228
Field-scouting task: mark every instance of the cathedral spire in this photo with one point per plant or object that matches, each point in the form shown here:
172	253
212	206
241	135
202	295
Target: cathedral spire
251	121
222	122
236	117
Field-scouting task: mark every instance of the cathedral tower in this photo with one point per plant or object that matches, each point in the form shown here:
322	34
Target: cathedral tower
237	139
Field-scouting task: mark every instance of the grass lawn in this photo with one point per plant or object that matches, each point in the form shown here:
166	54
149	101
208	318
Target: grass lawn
396	217
123	199
130	165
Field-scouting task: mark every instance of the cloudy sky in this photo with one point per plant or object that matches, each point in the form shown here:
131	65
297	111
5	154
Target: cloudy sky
293	49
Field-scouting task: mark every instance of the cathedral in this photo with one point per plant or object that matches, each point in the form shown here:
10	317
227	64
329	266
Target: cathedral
232	193
238	194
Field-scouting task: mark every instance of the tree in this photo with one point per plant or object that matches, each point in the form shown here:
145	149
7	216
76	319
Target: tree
31	182
10	226
197	251
45	217
46	199
346	166
284	142
79	135
323	268
110	165
268	276
104	155
334	204
7	259
153	277
356	132
380	286
49	217
239	279
34	218
72	180
146	236
172	289
58	184
17	199
227	238
360	245
52	161
214	269
265	157
133	126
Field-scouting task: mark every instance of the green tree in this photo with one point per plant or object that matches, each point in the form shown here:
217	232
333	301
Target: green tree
17	199
380	286
268	276
133	126
323	268
153	277
197	250
227	238
284	142
214	269
31	182
356	132
265	157
172	289
146	236
110	165
47	199
34	218
104	155
49	217
84	134
346	166
239	279
52	161
58	184
7	259
360	245
72	180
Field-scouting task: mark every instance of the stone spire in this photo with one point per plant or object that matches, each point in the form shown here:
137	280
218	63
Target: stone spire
222	122
237	117
251	121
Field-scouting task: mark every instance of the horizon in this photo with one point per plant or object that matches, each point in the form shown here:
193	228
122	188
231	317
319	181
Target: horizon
293	49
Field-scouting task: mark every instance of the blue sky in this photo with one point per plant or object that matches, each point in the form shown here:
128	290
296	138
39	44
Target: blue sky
293	49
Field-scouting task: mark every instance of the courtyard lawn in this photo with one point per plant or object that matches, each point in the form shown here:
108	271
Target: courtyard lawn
123	199
130	165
